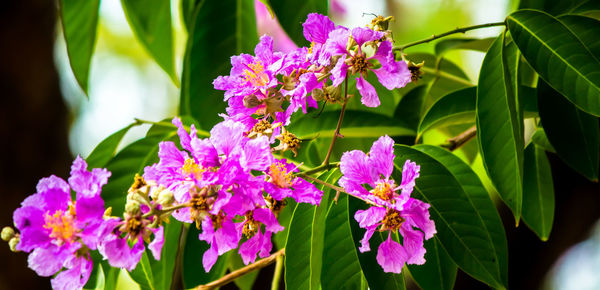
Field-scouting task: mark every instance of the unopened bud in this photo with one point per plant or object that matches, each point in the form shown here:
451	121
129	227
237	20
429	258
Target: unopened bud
132	207
12	244
154	193
7	233
165	197
251	101
108	212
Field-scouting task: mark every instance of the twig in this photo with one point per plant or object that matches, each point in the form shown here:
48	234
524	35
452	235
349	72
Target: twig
339	124
277	274
457	30
442	74
460	140
243	271
320	168
200	132
336	188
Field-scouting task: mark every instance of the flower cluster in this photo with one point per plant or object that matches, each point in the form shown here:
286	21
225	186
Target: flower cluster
394	210
260	86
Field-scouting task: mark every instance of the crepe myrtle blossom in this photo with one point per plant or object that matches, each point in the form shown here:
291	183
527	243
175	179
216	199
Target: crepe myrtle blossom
257	242
393	211
58	231
391	73
282	183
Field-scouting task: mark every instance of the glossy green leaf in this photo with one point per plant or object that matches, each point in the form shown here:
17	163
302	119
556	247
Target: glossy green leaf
586	29
80	21
107	149
572	133
192	269
355	124
341	268
559	57
246	281
459	220
446	77
374	274
219	30
588	7
458	107
551	6
479	197
142	274
538	192
292	13
98	277
304	246
477	44
499	126
411	106
150	21
540	139
438	272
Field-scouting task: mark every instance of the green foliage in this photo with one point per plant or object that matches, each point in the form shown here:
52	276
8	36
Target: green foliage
79	21
151	24
538	192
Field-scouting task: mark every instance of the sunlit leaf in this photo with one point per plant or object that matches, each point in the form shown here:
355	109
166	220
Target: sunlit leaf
538	192
107	149
476	44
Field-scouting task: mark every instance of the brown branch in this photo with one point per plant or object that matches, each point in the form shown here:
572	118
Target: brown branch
336	134
460	140
243	271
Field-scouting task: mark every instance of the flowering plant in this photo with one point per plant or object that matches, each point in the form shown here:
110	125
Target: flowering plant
278	177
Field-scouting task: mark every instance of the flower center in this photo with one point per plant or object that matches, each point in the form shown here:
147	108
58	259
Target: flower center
280	176
255	74
199	208
392	220
384	190
250	226
62	225
190	167
134	226
359	63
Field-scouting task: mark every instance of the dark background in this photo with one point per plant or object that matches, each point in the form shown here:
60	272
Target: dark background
34	124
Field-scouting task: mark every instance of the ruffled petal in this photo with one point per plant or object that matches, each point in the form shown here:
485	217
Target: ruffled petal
355	166
370	217
210	258
84	182
156	245
316	28
267	217
338	73
367	91
75	277
363	34
47	261
306	192
410	172
54	194
250	248
257	155
391	256
381	156
227	136
416	214
413	245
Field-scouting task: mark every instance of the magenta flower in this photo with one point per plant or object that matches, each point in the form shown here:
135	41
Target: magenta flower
316	30
282	183
257	242
221	234
393	211
392	74
57	237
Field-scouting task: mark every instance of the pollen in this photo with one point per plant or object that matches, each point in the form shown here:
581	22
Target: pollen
392	220
359	64
190	167
280	176
255	74
61	225
251	226
383	190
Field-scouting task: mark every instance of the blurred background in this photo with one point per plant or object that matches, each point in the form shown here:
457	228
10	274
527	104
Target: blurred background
46	119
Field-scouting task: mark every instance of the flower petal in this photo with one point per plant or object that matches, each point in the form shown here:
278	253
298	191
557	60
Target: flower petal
355	166
381	156
368	93
156	245
410	172
391	256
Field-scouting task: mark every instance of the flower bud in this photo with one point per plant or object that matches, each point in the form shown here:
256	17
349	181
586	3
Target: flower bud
251	101
7	233
165	197
132	207
12	244
108	212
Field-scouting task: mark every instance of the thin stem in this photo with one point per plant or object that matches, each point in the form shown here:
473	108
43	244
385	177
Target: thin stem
457	30
334	187
201	133
339	124
462	139
243	271
165	210
320	168
277	274
442	74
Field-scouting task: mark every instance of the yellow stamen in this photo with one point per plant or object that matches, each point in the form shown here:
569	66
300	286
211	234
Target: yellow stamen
61	224
280	176
190	167
255	74
383	190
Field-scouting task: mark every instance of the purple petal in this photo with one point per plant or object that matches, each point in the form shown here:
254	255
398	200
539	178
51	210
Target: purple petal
264	50
76	276
416	214
47	261
256	155
89	209
391	256
381	156
267	246
156	245
316	28
119	254
30	222
226	136
338	73
227	237
370	217
267	217
250	248
306	192
363	34
364	243
210	258
337	41
395	75
204	151
355	166
184	136
85	183
368	93
413	245
410	172
54	194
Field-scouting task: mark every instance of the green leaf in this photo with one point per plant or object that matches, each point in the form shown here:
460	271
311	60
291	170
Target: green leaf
304	246
586	29
438	272
376	277
411	106
79	21
150	21
246	281
142	274
479	197
572	133
193	271
98	276
499	125
446	76
551	6
538	192
341	268
356	124
292	13
458	107
477	44
107	149
540	139
559	57
219	30
460	222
